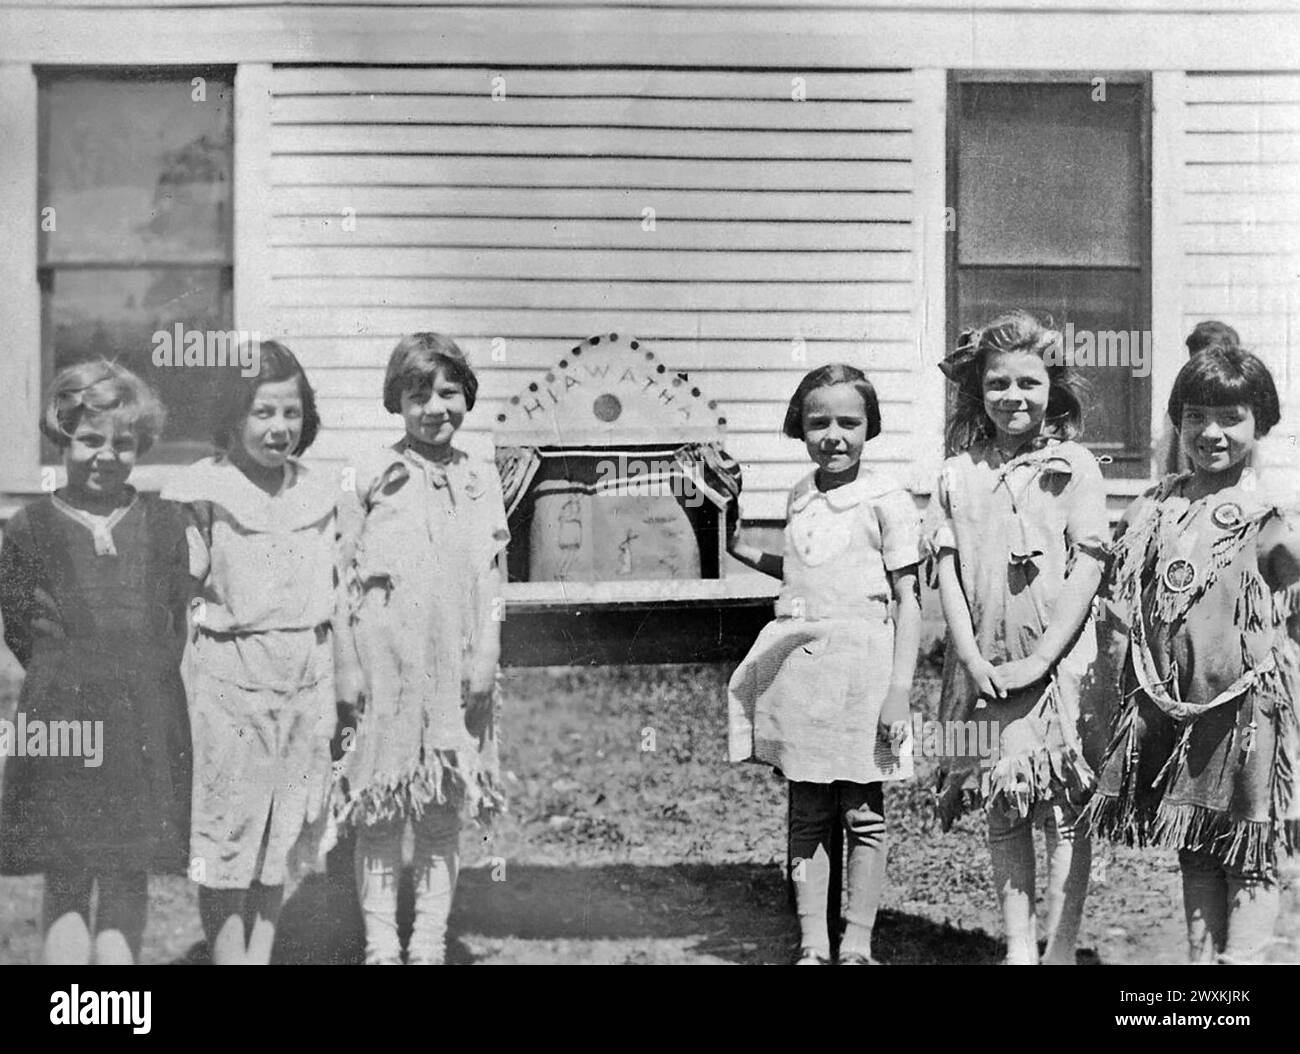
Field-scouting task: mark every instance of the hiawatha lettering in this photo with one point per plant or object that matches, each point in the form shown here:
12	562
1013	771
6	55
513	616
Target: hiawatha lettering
76	1007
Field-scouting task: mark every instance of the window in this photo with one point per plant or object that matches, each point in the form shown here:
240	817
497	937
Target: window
1050	178
135	236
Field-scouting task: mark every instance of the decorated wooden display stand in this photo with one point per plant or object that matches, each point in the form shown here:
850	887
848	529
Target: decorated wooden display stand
619	492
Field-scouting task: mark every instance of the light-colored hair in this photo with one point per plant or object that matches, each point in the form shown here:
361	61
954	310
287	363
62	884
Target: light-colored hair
1021	332
98	386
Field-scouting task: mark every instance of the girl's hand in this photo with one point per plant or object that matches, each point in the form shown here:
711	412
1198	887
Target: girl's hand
478	711
894	715
45	619
733	534
345	728
1012	676
896	706
982	672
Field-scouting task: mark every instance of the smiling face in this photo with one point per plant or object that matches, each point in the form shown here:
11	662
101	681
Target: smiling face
835	430
273	425
434	410
100	456
1016	388
1217	438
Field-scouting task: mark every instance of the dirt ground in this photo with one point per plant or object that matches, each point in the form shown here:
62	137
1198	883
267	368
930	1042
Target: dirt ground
631	840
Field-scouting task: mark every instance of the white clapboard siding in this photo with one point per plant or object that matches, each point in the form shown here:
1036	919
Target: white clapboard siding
366	201
1241	215
722	387
743	234
500	355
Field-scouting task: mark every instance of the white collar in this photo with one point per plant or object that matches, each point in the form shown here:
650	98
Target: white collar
99	526
305	499
868	485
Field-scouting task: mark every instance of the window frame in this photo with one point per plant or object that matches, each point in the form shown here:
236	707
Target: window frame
1137	457
182	450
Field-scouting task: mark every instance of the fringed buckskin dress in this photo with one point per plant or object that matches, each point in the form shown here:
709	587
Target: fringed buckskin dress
1204	751
431	530
1016	527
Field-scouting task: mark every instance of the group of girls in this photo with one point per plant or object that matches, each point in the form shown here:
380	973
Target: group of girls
272	657
1138	686
263	675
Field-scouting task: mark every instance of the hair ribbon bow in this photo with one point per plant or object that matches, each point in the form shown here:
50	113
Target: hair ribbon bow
962	357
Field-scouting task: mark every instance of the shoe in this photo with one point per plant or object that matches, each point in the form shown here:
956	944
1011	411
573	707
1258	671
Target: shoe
856	959
812	957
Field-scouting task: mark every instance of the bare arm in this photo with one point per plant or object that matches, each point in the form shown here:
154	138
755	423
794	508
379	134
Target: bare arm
907	642
752	556
487	637
1072	610
486	652
956	613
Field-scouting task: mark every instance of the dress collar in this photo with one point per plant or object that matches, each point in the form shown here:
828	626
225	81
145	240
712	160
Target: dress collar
1044	453
868	485
101	527
306	498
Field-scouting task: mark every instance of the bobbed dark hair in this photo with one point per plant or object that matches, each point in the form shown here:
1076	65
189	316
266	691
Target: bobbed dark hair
824	377
235	393
1226	376
1210	332
417	359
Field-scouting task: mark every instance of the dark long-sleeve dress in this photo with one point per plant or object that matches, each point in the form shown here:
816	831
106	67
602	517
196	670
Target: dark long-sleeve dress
97	619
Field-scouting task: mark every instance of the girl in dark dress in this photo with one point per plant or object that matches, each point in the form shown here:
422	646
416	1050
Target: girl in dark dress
94	588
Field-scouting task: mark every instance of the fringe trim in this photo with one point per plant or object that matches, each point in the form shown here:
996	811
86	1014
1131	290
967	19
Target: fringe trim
440	779
1254	599
1118	819
1017	784
1251	845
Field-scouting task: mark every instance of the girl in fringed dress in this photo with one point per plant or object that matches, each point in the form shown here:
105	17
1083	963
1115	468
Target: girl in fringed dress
427	627
1018	527
1204	752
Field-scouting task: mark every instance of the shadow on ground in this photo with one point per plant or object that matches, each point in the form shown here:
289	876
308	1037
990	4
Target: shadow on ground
729	913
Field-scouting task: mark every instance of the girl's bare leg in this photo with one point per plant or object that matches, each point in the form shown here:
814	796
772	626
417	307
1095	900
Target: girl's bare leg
262	914
221	912
1253	902
66	918
1011	847
120	916
1205	904
1069	861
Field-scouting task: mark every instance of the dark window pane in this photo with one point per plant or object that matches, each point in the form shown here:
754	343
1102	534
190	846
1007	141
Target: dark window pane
136	169
116	312
1047	175
1104	304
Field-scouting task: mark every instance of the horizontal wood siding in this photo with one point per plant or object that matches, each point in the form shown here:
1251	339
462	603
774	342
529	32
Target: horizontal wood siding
409	199
1240	230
